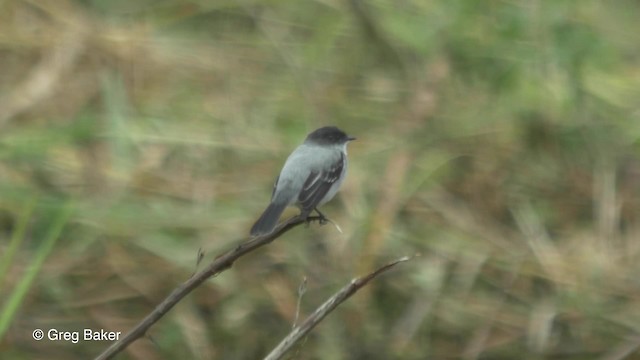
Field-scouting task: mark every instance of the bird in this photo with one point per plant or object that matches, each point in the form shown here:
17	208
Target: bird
310	177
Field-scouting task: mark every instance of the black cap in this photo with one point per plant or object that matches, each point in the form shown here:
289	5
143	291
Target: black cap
329	135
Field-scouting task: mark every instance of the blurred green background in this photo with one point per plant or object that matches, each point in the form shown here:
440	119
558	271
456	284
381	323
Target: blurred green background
497	139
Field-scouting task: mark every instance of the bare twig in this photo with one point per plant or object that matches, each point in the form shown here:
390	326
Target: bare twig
220	264
314	319
199	258
301	290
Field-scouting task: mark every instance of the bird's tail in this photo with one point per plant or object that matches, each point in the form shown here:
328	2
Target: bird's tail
268	220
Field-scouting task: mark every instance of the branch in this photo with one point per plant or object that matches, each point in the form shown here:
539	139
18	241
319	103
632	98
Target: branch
314	319
220	264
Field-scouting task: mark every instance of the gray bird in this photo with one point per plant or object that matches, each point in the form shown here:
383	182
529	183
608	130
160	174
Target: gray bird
310	177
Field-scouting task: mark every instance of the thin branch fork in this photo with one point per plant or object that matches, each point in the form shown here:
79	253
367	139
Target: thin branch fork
225	262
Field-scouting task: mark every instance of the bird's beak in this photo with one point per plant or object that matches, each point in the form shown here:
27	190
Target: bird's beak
351	138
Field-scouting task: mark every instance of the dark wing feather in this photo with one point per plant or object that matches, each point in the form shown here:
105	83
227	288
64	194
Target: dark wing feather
318	184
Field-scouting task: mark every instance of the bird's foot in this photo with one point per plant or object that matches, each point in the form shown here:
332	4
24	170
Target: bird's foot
322	220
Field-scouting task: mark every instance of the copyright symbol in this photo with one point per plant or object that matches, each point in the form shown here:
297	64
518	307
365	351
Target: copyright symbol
38	334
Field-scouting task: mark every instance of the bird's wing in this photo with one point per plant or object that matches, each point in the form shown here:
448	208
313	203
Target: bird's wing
275	186
318	184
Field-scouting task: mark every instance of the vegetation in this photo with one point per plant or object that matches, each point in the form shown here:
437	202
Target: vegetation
497	139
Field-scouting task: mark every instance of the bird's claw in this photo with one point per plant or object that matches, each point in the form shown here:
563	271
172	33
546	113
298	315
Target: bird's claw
322	220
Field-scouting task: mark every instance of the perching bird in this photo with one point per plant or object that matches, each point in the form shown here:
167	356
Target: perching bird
310	177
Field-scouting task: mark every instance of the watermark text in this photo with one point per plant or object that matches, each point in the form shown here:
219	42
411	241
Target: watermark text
76	336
